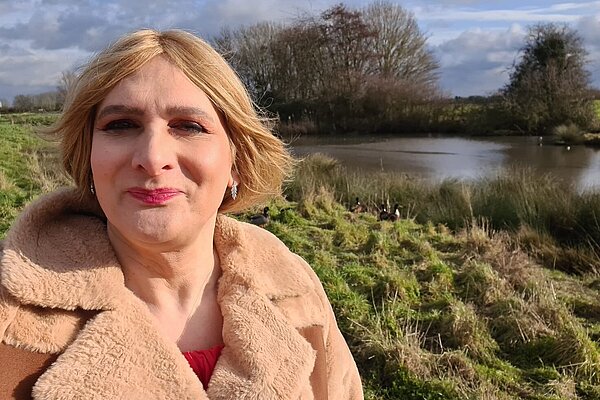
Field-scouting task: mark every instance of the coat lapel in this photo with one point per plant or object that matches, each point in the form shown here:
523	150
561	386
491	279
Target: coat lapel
57	255
264	356
119	352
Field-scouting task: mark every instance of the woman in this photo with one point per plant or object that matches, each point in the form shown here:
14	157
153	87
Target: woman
118	288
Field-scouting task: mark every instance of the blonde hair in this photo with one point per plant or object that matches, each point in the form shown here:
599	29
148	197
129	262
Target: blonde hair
260	159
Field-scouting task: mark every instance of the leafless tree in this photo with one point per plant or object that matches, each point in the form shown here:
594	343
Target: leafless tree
297	54
249	50
65	83
399	46
47	101
346	38
328	68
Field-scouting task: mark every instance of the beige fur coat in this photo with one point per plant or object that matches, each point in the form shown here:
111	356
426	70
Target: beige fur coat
70	329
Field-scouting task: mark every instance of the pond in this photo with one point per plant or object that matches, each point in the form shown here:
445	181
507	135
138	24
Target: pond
439	158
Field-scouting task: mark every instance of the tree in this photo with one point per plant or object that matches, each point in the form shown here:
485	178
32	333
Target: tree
46	101
549	85
249	51
342	70
65	83
399	46
298	56
23	102
346	37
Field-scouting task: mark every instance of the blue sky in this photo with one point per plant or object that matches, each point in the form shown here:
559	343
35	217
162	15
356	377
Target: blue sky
475	41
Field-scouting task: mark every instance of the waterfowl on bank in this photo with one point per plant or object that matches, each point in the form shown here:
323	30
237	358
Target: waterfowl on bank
384	215
260	219
395	215
358	207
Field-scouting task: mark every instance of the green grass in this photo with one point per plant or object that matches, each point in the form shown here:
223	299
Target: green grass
432	314
483	291
597	108
28	164
560	225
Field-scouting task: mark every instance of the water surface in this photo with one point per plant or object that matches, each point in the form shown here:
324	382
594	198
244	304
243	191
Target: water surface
438	158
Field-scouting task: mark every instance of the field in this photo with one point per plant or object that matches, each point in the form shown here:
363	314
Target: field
28	164
480	291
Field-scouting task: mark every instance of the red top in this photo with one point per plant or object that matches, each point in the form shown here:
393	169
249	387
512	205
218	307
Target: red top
203	362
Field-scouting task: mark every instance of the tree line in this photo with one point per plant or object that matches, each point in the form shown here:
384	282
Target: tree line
370	70
52	100
337	71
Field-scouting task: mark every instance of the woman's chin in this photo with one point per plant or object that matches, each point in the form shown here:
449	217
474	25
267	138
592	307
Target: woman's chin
153	231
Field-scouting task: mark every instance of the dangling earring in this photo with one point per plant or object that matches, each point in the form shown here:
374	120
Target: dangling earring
234	190
92	188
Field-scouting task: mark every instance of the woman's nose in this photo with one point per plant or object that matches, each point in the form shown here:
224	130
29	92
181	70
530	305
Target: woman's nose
154	151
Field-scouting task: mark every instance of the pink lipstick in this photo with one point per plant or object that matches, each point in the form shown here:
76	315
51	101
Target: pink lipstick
153	197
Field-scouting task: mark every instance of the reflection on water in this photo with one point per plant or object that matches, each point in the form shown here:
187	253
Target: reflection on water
463	158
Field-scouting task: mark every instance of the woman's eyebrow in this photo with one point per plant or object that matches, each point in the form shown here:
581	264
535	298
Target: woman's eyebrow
175	110
119	109
189	111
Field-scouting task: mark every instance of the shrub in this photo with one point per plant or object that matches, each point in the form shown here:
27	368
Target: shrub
568	134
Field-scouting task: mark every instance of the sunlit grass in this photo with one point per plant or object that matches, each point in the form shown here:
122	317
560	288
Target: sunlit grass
28	164
563	222
439	315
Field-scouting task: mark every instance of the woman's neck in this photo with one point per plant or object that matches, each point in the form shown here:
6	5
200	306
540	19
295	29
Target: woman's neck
167	280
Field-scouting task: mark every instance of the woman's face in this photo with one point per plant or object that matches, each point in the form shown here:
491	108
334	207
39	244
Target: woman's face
160	158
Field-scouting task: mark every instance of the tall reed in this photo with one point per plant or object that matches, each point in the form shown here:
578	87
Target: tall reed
510	200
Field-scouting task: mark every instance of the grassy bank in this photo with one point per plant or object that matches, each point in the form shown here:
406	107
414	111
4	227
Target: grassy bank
432	314
28	164
486	290
480	291
558	224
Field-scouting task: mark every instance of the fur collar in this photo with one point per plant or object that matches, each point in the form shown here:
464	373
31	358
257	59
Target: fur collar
58	256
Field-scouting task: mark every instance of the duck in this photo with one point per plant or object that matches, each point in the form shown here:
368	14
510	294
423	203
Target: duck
384	215
394	216
358	207
260	219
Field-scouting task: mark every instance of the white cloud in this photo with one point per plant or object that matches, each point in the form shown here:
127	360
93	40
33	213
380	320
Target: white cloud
42	68
584	5
589	28
477	61
13	12
457	10
519	15
474	42
41	38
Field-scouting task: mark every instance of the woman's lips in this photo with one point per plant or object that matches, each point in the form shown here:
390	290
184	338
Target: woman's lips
155	196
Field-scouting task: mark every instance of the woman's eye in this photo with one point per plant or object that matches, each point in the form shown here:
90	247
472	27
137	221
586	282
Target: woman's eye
188	126
120	124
